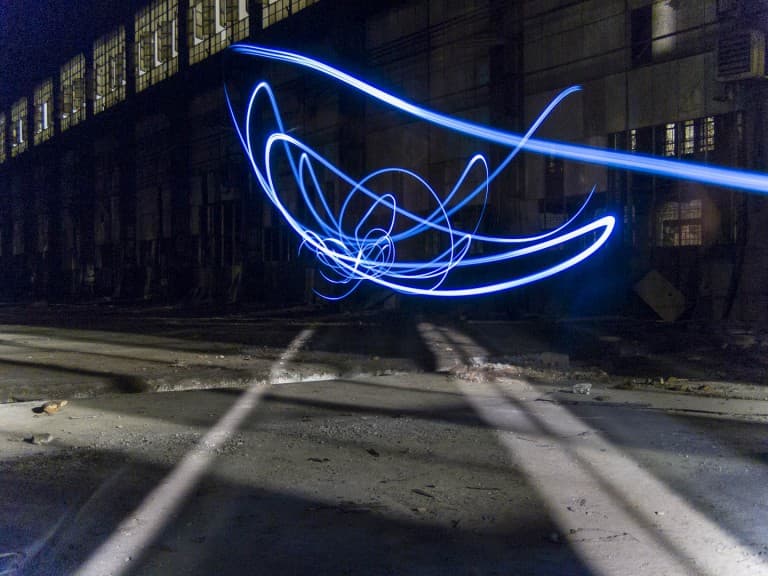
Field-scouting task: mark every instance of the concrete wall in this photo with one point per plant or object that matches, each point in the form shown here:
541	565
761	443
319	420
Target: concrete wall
590	44
152	199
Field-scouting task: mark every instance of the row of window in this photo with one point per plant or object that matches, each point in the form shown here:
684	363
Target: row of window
676	139
688	137
212	26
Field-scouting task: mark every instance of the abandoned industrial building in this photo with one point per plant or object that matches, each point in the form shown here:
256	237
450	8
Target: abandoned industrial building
121	175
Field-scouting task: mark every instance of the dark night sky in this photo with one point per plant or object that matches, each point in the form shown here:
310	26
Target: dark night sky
38	36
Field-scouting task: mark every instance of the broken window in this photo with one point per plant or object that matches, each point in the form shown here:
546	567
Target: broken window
670	144
43	101
109	70
214	25
19	127
272	11
707	134
678	223
157	44
695	136
72	95
689	138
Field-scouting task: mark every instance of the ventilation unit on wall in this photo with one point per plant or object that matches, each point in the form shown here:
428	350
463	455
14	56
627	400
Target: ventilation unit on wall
741	55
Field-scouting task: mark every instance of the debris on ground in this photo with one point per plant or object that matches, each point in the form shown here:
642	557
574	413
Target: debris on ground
40	439
422	493
52	406
581	388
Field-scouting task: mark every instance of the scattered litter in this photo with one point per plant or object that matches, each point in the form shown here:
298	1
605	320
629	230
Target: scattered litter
422	493
373	452
581	388
50	407
487	488
40	439
319	459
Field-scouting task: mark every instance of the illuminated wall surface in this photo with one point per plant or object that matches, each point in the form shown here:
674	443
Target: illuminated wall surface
19	136
109	70
157	43
364	247
72	82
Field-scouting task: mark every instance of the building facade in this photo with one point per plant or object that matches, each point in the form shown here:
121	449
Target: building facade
121	175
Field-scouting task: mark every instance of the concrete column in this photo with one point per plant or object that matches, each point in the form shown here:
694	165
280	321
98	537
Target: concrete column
126	270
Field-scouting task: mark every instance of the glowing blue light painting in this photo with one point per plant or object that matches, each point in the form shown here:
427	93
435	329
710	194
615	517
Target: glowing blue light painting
353	246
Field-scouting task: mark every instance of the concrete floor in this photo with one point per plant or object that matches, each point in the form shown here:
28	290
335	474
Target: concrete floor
428	455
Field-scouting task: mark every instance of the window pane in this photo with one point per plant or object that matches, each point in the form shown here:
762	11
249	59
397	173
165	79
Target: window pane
157	45
109	70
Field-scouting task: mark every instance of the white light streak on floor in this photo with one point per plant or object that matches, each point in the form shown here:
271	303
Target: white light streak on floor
119	553
636	522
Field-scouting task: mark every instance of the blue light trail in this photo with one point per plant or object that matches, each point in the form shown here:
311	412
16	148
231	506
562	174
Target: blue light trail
366	250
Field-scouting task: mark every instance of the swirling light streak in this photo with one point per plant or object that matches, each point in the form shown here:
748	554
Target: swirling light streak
729	178
367	251
350	258
353	258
